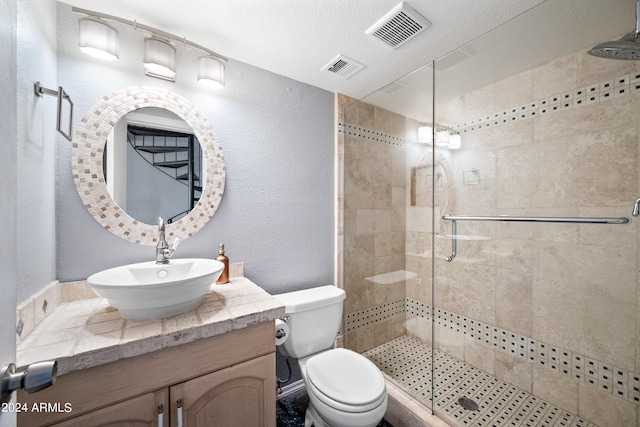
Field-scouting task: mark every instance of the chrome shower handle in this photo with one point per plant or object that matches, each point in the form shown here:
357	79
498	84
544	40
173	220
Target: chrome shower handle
636	207
454	241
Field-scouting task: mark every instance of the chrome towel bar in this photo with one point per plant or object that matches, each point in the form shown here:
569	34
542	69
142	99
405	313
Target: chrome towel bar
566	220
571	220
40	91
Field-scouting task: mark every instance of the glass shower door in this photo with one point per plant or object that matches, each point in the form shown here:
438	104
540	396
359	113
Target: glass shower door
535	318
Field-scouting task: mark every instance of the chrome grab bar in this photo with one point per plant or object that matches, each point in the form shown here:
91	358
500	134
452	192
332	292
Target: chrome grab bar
566	220
571	220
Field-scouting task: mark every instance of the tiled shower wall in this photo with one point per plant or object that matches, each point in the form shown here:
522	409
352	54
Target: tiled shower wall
560	302
373	227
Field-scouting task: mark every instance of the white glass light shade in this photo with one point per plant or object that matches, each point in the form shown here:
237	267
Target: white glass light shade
97	39
425	134
455	141
211	72
159	59
442	138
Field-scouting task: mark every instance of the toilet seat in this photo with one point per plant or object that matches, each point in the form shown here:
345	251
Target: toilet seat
345	380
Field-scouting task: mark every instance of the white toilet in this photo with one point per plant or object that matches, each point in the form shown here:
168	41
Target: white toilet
345	388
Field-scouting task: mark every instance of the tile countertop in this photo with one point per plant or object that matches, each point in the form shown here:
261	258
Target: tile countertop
86	333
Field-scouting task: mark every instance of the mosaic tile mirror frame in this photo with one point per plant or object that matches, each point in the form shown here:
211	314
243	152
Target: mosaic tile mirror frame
86	161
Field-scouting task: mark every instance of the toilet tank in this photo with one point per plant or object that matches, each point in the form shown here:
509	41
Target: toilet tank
314	317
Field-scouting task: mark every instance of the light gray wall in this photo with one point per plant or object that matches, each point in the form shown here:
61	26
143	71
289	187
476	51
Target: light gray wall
276	213
36	149
8	189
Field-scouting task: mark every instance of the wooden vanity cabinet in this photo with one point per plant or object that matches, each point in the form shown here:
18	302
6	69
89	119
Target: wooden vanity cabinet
212	400
227	380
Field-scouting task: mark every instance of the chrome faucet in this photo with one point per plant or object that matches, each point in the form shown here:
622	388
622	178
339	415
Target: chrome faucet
163	251
636	207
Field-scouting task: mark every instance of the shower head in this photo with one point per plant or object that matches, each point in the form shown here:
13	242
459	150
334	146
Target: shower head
628	47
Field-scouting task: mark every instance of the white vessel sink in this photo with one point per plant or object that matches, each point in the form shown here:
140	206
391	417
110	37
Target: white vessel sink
150	291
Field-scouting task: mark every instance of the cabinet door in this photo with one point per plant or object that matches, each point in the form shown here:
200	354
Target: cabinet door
242	395
141	411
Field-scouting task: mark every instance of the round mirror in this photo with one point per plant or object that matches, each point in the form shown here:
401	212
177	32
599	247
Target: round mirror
153	165
92	159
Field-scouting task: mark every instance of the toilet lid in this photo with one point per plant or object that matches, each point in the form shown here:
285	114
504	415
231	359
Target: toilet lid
346	377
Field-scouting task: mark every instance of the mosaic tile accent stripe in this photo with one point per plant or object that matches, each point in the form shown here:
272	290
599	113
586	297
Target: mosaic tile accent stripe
628	84
373	315
620	382
349	129
408	361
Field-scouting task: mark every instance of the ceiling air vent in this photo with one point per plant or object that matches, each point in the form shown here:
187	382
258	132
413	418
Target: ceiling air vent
452	58
343	66
398	26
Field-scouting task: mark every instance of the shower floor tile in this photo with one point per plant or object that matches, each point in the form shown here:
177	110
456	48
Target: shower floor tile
493	403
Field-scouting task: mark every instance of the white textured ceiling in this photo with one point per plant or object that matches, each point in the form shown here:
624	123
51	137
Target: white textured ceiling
551	30
297	38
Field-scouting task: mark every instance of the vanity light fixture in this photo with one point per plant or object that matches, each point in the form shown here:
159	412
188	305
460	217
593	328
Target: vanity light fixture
98	39
455	141
211	72
159	54
442	138
159	59
425	134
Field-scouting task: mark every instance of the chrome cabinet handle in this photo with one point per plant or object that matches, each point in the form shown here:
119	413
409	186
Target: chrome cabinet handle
179	412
